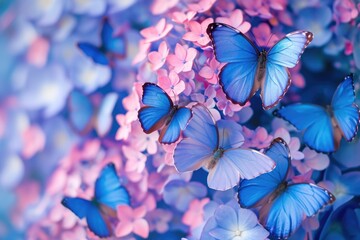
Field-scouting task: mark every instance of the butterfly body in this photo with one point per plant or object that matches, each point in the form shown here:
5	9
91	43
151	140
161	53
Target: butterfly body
249	69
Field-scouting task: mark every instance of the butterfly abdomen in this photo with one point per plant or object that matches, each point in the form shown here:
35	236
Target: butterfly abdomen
261	68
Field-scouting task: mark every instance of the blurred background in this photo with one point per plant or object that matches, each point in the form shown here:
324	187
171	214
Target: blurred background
67	110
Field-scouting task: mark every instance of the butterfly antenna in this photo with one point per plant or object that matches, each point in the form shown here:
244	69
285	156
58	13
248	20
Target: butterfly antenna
267	44
254	38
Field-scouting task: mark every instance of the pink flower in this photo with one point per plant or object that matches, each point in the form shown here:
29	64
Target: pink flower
144	48
171	84
160	30
132	221
159	220
135	160
263	35
182	60
209	102
125	127
188	78
292	142
258	138
180	17
157	59
142	141
201	6
236	19
194	216
256	8
38	52
345	10
227	106
312	160
162	6
197	33
210	73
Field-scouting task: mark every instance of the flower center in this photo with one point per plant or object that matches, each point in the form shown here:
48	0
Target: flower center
238	233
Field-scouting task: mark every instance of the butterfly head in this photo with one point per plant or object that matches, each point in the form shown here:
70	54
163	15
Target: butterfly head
217	154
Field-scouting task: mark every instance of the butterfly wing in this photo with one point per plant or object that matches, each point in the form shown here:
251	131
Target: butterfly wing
252	191
241	55
111	43
285	214
200	140
285	53
314	121
235	164
96	54
171	132
346	112
80	112
104	115
108	190
84	208
158	106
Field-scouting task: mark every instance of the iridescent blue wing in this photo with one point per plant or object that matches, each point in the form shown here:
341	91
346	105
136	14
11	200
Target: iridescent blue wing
314	121
251	192
80	112
84	208
346	112
95	53
285	214
111	43
199	142
288	50
158	106
231	46
285	53
108	189
171	132
104	116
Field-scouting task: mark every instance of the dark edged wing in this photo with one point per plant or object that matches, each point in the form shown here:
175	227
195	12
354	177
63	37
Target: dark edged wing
284	54
171	132
237	77
256	191
314	121
157	108
287	211
111	43
346	112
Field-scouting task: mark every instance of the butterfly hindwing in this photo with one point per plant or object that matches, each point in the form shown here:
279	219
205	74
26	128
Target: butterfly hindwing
277	81
346	112
200	139
158	106
84	208
285	214
108	189
95	53
314	121
252	191
81	112
171	132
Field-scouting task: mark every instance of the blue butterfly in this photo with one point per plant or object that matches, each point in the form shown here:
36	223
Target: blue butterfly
159	112
84	116
108	195
323	128
283	205
249	68
111	46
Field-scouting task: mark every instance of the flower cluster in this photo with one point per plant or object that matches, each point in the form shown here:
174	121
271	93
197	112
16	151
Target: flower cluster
64	116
